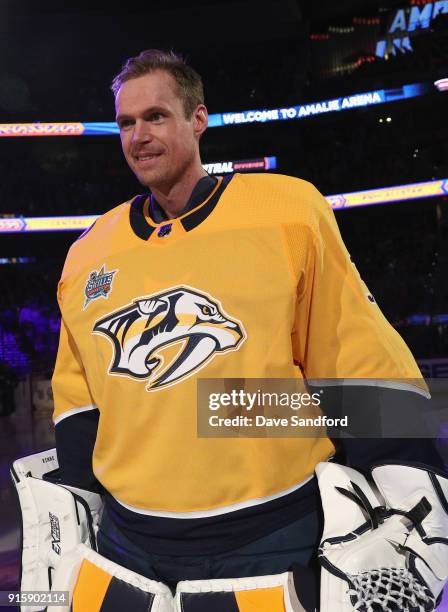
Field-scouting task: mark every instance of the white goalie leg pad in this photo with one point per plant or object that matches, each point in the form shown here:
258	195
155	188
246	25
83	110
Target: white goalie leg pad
274	593
55	519
369	545
92	581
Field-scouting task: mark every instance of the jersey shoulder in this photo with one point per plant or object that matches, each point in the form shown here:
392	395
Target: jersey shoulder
105	222
282	198
107	232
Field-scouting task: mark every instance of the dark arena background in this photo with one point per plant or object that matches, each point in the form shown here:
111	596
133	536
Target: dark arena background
350	95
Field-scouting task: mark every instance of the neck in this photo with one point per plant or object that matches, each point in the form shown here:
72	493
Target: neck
173	198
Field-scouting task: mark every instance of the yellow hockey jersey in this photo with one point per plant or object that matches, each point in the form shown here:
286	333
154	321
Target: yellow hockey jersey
252	282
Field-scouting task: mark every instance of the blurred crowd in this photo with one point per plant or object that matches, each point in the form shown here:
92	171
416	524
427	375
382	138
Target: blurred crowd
29	325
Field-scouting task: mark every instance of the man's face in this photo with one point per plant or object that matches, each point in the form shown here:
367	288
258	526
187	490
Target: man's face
159	143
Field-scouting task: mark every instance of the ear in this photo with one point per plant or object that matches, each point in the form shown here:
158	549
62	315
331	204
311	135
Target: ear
200	120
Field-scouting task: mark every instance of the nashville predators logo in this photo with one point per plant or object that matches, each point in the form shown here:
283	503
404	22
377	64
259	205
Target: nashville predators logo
181	318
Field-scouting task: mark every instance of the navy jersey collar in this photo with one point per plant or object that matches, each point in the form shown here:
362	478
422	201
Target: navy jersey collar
206	189
201	191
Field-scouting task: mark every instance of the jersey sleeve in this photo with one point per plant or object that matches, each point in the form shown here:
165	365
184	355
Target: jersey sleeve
339	330
75	414
70	389
341	334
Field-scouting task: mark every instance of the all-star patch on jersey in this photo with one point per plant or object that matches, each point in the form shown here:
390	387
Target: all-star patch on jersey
251	283
99	284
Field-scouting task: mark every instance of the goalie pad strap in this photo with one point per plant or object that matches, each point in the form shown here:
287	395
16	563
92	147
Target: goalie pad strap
376	515
419	512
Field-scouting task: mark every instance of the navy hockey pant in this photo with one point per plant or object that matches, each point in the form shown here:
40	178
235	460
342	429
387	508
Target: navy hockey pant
274	553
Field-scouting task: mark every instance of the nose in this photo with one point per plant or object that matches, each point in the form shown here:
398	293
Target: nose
141	132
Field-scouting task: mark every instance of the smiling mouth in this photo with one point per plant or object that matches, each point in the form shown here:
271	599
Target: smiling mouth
143	158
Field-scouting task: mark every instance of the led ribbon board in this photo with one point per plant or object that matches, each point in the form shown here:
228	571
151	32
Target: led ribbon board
244	165
422	319
42	129
6	261
385	195
11	225
379	96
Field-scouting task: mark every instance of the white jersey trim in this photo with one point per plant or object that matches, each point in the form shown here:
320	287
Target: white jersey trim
73	411
216	511
368	382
